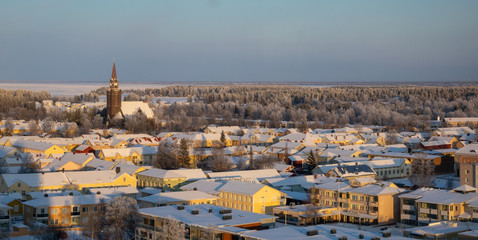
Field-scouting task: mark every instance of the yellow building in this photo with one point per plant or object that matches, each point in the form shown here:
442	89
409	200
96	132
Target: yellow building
160	178
98	179
62	211
252	197
28	146
136	155
33	182
177	198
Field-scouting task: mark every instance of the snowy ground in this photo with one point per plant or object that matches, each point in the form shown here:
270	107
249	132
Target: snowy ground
69	89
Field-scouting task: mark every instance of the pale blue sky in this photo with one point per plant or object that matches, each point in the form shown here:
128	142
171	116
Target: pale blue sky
243	40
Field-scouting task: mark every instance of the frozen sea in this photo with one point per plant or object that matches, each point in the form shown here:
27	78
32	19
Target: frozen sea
72	89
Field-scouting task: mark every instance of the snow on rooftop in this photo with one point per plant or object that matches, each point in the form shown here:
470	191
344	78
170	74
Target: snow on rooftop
205	218
189	174
246	174
246	188
129	108
65	201
168	197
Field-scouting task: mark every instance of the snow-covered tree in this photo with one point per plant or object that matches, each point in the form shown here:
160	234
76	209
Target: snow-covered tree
121	217
173	230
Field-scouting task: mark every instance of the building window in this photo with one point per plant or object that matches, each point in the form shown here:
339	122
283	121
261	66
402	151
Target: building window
467	180
64	210
467	171
84	209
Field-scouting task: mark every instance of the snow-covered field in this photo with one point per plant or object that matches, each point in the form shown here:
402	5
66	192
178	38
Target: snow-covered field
70	89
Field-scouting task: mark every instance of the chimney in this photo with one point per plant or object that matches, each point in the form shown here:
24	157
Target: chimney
118	170
315	176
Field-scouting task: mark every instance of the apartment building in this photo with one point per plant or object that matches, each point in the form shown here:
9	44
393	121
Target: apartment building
360	201
466	165
225	223
62	211
427	205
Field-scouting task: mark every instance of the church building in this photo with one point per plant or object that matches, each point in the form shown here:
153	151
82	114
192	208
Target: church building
116	108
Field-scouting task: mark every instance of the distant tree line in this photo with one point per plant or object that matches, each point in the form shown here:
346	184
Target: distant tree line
400	106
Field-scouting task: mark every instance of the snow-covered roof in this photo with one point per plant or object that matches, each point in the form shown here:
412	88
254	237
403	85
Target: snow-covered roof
375	190
44	194
37	179
439	196
209	186
36	145
129	108
125	152
114	191
169	197
470	149
246	174
246	188
91	177
101	164
205	218
189	174
65	201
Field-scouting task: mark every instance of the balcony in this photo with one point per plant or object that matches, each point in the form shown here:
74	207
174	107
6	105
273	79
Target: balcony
408	207
424	210
444	213
75	213
407	217
42	215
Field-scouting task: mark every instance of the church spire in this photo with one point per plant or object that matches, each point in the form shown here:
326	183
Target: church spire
113	73
113	79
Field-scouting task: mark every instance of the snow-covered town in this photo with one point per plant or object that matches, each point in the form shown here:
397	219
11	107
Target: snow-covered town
231	182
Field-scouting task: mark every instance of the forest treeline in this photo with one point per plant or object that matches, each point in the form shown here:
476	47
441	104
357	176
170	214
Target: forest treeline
399	106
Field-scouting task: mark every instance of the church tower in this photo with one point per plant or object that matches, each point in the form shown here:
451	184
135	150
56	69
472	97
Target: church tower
113	96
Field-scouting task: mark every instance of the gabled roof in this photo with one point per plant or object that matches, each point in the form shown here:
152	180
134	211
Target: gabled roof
245	188
91	177
246	174
208	186
40	146
37	179
189	174
167	197
129	108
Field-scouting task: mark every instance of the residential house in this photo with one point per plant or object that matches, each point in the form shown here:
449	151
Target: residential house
391	168
29	146
136	155
351	171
